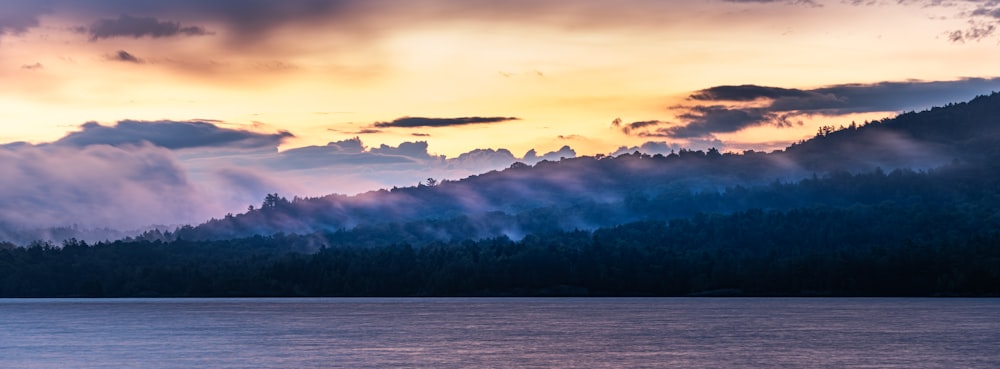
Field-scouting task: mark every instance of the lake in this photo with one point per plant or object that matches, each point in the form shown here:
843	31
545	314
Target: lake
500	333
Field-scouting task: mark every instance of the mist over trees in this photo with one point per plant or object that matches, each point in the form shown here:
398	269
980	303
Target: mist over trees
592	192
905	206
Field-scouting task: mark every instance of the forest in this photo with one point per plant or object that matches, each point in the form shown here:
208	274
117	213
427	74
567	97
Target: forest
908	206
897	244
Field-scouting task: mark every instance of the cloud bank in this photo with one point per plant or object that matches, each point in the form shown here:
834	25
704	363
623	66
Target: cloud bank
731	108
96	186
170	135
135	174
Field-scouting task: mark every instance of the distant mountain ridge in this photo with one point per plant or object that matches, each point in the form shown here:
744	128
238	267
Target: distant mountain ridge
589	192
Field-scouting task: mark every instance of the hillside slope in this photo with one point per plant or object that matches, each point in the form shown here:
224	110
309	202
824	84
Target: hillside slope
589	192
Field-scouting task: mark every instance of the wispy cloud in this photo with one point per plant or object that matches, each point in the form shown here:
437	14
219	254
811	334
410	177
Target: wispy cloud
982	16
125	56
412	122
636	126
137	27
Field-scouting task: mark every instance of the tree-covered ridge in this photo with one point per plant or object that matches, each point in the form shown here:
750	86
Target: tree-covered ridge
944	244
964	133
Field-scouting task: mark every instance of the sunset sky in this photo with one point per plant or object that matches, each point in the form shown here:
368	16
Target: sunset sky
214	87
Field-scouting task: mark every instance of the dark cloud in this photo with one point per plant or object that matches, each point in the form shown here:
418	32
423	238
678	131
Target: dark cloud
706	120
18	16
136	27
634	126
732	108
170	135
247	23
745	93
124	56
986	10
250	23
885	96
975	32
33	66
411	122
420	134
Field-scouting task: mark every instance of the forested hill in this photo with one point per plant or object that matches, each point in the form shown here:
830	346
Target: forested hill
908	206
590	192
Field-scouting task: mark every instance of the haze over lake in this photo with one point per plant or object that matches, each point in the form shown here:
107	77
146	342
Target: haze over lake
522	332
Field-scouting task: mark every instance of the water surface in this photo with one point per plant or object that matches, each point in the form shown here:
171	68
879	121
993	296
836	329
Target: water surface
500	333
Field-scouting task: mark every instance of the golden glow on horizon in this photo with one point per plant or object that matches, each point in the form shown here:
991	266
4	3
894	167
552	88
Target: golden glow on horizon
561	80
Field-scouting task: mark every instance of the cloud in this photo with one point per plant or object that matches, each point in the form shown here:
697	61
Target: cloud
856	97
33	66
990	9
136	27
745	93
125	56
489	158
96	186
976	31
135	174
724	109
349	166
531	157
412	122
171	135
411	149
634	126
19	16
982	16
706	120
350	153
251	23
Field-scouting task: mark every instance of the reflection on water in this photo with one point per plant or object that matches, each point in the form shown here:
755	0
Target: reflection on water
500	333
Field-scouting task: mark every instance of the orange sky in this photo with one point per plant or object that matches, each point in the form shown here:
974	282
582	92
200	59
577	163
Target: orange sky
566	68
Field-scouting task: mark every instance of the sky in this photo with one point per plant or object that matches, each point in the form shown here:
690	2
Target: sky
199	107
